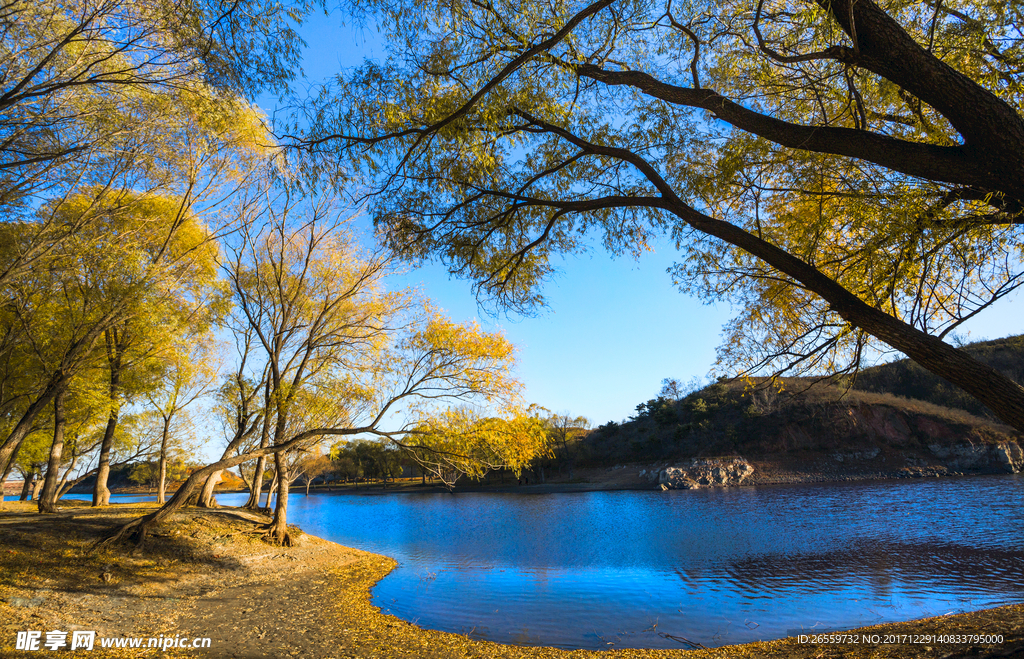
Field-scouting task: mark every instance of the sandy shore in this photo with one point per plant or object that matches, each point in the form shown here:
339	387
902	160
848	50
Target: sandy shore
208	574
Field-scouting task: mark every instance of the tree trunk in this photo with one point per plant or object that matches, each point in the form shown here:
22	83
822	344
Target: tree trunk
278	531
9	449
64	479
161	487
138	529
273	488
26	487
206	498
3	477
996	391
256	490
66	487
48	498
101	494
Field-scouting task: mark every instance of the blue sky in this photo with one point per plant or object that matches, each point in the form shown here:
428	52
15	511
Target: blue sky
614	327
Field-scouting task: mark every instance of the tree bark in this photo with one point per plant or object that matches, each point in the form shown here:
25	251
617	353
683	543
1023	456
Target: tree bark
48	498
161	488
139	528
278	531
206	498
61	491
26	487
273	487
100	492
4	475
256	489
66	487
115	351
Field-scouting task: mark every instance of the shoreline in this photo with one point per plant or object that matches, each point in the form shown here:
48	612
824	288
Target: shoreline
786	469
207	574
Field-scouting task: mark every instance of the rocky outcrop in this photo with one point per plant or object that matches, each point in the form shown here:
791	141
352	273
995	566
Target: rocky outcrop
704	472
1006	456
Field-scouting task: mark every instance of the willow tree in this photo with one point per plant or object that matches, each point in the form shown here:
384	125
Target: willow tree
461	442
843	170
336	354
333	339
141	264
81	80
190	371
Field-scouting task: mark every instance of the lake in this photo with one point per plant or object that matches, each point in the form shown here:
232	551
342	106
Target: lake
715	566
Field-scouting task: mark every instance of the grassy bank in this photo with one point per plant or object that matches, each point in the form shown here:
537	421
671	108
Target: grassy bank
207	574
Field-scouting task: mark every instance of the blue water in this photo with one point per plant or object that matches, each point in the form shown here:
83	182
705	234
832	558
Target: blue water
715	566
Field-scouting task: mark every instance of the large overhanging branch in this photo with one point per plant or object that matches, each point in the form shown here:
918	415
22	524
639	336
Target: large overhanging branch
989	126
1001	394
950	164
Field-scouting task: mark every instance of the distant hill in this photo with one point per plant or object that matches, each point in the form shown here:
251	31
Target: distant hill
905	378
897	407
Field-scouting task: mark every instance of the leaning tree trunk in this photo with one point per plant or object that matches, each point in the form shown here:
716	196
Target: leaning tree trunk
10	467
273	487
278	531
61	487
10	447
206	498
100	493
1003	396
3	478
67	485
48	498
139	529
26	486
256	491
161	488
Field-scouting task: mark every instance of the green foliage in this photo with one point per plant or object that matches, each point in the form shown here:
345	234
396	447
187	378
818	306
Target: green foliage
366	459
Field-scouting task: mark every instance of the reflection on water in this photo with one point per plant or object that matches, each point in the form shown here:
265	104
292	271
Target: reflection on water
718	566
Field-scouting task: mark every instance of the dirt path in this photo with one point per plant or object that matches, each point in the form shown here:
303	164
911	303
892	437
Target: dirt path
207	574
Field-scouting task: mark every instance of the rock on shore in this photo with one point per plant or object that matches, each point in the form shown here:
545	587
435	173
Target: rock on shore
705	472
